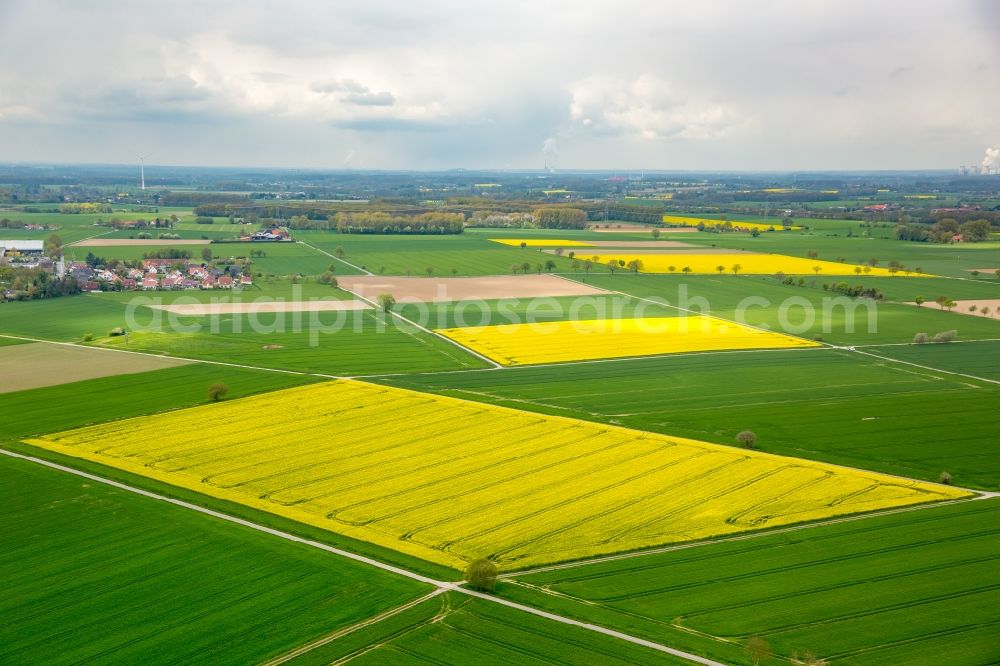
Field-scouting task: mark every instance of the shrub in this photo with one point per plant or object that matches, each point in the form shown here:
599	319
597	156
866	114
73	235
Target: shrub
482	575
920	338
945	478
747	438
945	336
88	337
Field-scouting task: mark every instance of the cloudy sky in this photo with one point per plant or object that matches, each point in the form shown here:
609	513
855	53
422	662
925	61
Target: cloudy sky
867	84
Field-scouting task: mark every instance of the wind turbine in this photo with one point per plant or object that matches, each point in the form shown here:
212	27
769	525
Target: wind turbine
142	171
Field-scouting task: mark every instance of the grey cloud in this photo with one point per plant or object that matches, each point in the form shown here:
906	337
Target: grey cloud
777	85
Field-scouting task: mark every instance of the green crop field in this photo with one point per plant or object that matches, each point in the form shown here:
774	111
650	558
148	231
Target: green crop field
341	343
413	255
820	404
915	587
93	573
981	359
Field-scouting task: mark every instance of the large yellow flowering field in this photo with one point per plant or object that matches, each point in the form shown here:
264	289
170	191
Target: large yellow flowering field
754	264
448	480
560	341
676	220
540	242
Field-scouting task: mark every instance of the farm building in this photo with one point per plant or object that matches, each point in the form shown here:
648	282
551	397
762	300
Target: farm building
21	247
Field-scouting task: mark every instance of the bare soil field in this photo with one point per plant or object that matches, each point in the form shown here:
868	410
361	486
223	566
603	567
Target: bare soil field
632	228
964	307
627	243
40	364
416	289
200	309
119	242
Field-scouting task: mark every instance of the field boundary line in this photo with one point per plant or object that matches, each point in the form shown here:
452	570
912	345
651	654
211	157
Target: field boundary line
443	586
333	256
748	536
340	633
175	358
378	308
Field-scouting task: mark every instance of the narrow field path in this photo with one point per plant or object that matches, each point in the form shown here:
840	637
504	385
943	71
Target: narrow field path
333	256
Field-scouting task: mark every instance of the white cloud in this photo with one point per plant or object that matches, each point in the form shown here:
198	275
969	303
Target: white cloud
648	107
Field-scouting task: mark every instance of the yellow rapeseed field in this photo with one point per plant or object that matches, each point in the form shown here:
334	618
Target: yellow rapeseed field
560	341
677	220
448	480
540	242
753	264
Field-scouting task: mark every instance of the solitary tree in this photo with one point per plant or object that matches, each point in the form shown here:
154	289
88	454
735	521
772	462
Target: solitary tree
672	269
736	268
386	302
526	266
635	265
550	265
514	268
524	244
985	310
206	254
429	270
332	268
945	478
817	269
686	269
812	254
217	392
919	300
720	268
857	270
339	252
454	272
747	438
656	234
612	266
482	575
